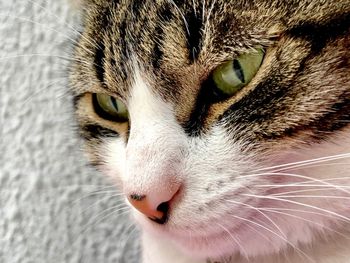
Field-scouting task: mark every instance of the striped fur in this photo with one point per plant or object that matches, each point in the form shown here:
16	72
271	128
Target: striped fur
298	101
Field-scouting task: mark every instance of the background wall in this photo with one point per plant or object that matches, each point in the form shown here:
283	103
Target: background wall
53	207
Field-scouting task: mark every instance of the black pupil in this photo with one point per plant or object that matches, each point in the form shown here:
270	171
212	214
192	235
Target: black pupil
114	103
238	69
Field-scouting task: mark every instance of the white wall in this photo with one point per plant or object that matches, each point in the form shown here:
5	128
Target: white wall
46	212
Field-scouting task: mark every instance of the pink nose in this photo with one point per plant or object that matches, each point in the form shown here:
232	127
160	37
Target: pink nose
155	209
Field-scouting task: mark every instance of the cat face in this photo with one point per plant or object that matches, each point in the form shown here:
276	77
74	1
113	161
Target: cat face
201	111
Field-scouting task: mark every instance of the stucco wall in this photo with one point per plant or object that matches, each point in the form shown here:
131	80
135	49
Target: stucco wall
48	210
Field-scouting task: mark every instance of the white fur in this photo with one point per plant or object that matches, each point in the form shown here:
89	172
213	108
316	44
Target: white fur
215	213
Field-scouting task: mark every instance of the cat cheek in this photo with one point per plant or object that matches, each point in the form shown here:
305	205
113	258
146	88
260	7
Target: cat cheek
112	153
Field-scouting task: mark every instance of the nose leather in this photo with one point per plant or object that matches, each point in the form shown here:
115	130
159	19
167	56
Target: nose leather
142	205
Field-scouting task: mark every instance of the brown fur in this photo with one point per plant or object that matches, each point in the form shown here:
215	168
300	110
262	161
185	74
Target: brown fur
301	91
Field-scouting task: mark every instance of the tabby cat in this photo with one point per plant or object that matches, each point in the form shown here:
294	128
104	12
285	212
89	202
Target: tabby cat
226	124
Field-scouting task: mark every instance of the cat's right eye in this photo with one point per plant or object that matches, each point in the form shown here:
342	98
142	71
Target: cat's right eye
233	75
110	108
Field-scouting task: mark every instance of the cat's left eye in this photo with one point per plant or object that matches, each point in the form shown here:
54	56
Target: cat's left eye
110	108
233	75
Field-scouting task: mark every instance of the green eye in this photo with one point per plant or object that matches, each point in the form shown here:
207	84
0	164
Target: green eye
110	108
233	75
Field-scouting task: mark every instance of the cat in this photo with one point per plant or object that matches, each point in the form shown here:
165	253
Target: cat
225	123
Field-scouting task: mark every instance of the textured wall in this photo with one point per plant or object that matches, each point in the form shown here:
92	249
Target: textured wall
49	211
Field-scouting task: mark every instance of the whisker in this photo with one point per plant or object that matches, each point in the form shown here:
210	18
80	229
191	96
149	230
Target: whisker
300	204
203	9
97	193
182	15
306	212
101	201
274	233
307	184
35	93
260	212
86	227
22	19
315	196
194	8
259	233
293	165
302	184
85	63
60	188
321	165
295	176
132	228
101	216
303	191
102	191
37	55
306	220
244	252
95	45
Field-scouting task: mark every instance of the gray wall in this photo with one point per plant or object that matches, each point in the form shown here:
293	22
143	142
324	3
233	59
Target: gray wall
51	203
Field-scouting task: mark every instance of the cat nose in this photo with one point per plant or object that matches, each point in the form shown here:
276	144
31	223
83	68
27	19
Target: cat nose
155	207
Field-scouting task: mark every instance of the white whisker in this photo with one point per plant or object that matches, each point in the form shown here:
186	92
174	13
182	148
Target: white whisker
274	233
303	191
82	62
51	29
37	92
244	252
306	220
306	212
300	204
292	175
314	196
260	212
98	193
132	231
203	9
293	165
194	7
86	227
65	23
182	15
101	201
101	216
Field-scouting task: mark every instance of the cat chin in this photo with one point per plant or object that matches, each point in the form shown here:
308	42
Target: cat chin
218	244
248	240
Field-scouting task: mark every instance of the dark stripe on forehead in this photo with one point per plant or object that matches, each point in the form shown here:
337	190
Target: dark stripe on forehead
123	39
136	7
192	24
118	47
165	15
194	34
320	34
99	59
99	62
